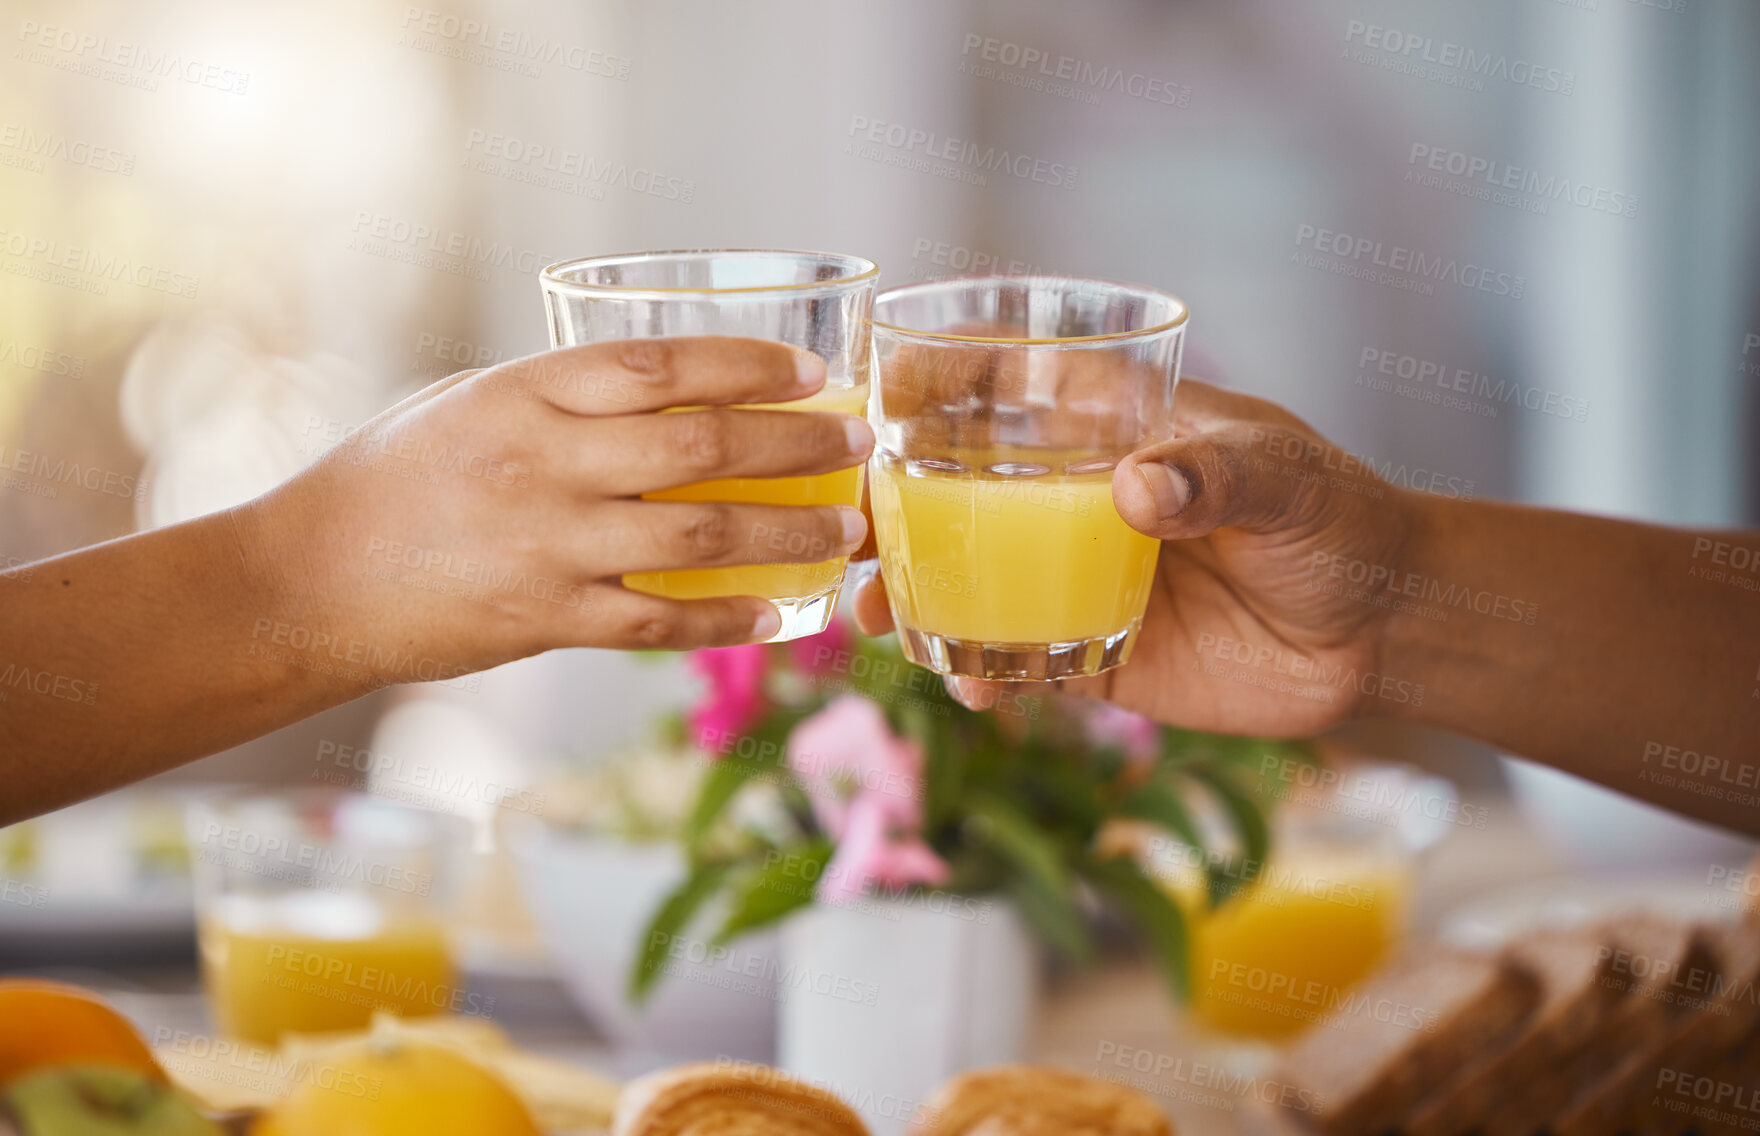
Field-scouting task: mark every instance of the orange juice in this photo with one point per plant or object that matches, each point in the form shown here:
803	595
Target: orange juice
317	961
1284	953
1008	560
769	578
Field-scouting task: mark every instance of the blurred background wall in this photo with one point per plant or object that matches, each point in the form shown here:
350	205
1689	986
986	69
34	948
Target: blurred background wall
229	232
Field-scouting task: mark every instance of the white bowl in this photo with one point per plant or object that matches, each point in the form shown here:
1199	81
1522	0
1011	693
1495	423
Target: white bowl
592	898
1600	828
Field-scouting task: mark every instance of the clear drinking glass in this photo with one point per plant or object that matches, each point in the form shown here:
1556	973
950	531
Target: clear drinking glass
819	301
316	907
1004	403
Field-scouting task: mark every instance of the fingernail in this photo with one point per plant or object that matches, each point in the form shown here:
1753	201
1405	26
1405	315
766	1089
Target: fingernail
809	371
1168	486
859	435
855	527
769	622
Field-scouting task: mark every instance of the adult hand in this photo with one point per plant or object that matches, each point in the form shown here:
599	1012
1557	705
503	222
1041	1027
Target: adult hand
491	515
1247	629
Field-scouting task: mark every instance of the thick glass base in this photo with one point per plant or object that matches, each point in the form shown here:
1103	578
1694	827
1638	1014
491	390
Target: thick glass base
806	615
1018	662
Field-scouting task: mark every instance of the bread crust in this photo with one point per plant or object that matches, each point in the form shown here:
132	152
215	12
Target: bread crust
730	1099
1025	1100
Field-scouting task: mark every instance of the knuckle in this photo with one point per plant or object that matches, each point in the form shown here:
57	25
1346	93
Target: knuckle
655	630
650	358
703	438
709	534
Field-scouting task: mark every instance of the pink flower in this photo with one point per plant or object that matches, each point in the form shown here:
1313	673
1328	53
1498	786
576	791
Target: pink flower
816	654
847	751
873	853
735	698
1109	727
865	783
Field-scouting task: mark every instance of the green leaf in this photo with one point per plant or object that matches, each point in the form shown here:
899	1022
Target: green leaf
669	921
1155	913
1054	918
729	775
1156	802
775	889
1249	825
1020	841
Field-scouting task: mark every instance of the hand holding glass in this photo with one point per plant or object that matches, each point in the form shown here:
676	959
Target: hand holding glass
1004	405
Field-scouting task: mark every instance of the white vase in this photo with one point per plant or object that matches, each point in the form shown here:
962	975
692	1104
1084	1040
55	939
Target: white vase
882	1001
591	897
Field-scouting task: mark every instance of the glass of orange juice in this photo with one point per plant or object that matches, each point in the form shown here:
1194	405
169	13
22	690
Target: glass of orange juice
1286	952
1004	403
818	301
316	908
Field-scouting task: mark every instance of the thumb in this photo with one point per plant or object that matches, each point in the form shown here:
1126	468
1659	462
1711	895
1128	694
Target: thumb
1189	487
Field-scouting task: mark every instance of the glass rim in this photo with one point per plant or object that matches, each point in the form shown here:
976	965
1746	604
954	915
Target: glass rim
1109	337
550	276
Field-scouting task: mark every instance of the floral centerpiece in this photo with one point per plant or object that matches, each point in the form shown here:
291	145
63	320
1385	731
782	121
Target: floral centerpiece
890	788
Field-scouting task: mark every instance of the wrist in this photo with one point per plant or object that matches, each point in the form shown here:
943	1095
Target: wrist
1424	642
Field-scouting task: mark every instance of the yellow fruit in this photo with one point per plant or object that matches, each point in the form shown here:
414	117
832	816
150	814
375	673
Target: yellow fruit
396	1087
45	1024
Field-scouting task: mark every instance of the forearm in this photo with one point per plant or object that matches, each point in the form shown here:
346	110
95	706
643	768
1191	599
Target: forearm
131	657
1605	648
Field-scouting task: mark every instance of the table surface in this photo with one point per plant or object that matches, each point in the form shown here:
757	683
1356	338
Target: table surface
1119	1004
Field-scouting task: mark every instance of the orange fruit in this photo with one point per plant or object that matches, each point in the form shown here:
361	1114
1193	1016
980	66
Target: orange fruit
395	1087
45	1024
